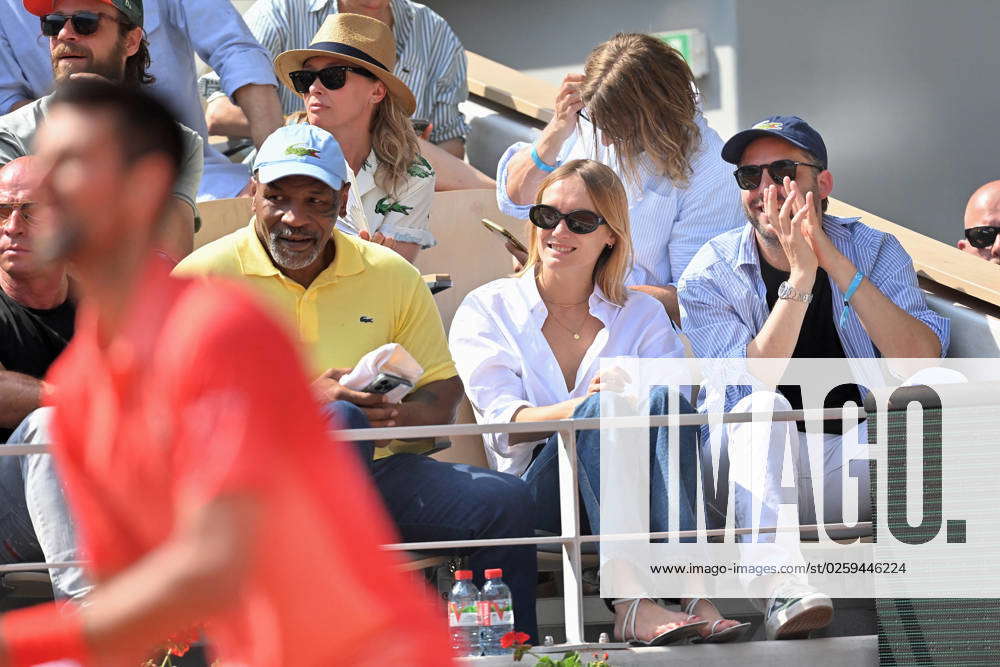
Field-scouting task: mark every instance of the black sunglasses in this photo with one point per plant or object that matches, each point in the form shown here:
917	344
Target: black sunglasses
748	176
332	78
981	237
84	23
580	221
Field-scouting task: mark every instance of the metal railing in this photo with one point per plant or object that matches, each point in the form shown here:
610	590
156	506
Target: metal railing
571	539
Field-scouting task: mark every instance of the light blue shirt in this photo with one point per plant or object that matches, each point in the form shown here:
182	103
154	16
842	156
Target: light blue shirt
175	29
723	299
669	223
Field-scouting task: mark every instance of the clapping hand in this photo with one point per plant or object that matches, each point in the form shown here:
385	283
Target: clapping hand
787	221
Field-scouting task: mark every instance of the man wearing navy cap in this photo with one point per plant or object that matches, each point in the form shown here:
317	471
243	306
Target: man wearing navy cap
796	282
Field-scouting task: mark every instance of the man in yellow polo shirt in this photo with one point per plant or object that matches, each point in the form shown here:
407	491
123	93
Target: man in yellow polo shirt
344	297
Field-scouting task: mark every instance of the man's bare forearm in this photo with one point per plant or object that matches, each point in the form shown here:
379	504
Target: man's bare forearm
20	394
454	146
434	403
191	577
262	109
225	119
895	333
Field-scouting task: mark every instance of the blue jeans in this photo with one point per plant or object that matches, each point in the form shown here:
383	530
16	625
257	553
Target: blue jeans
35	523
431	500
542	475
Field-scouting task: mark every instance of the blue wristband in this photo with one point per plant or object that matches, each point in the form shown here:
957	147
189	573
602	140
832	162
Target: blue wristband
538	161
858	277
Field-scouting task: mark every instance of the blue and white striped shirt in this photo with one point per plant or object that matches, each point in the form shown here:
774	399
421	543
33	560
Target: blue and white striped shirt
429	57
669	223
723	299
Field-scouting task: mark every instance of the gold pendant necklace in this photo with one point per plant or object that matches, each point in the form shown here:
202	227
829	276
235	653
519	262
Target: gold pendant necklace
575	330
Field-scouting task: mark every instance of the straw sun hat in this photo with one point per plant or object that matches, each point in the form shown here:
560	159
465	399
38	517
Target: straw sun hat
357	39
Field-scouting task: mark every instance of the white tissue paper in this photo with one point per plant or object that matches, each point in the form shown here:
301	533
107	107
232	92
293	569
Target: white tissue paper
389	358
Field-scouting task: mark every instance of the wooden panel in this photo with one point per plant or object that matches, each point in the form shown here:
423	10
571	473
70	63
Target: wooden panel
942	263
472	255
503	85
220	217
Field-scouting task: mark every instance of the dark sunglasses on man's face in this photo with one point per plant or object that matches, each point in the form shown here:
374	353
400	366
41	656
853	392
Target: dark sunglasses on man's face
748	176
84	23
580	221
981	237
332	78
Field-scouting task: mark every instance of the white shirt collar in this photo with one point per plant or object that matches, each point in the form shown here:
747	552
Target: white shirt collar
598	304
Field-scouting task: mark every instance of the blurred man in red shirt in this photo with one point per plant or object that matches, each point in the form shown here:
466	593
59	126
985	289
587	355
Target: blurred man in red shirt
206	489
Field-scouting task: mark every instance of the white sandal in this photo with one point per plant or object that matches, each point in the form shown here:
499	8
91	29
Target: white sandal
681	633
736	633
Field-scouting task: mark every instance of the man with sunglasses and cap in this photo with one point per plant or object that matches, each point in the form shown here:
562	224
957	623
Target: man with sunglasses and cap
344	297
796	282
982	223
174	31
113	48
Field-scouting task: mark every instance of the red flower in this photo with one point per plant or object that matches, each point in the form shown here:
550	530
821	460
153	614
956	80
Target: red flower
513	637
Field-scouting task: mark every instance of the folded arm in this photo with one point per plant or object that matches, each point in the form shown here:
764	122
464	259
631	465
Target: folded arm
19	395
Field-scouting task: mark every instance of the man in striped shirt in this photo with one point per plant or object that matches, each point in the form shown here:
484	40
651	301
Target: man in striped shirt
429	59
798	283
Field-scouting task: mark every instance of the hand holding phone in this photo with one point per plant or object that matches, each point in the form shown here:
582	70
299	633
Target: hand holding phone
386	382
505	234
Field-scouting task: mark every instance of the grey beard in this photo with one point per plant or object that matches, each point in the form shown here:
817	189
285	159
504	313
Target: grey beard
292	262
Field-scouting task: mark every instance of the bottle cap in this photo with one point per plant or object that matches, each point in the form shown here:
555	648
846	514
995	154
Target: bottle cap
494	573
463	574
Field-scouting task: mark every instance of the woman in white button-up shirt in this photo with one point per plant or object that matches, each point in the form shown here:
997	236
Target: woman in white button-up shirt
528	349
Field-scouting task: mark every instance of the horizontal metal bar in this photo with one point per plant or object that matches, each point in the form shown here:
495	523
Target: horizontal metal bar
620	537
515	541
30	567
591	423
21	450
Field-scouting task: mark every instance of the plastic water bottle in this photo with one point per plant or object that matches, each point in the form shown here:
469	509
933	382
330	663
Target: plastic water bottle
496	613
463	617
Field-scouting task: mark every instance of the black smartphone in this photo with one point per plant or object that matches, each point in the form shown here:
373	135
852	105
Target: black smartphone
386	382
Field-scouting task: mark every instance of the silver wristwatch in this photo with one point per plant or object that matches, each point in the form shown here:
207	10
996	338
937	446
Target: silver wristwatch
786	291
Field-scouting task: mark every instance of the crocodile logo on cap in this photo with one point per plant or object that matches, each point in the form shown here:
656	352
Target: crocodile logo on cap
302	151
767	125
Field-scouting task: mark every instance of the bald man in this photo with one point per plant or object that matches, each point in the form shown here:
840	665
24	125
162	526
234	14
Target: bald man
982	223
36	321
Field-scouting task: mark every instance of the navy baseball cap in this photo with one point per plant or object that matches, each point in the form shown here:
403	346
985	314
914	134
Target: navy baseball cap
790	128
301	150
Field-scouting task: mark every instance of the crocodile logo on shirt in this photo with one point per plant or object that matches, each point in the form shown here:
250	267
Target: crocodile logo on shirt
385	206
364	319
301	151
421	168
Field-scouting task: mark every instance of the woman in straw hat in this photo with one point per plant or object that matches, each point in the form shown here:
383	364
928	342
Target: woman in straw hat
347	86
